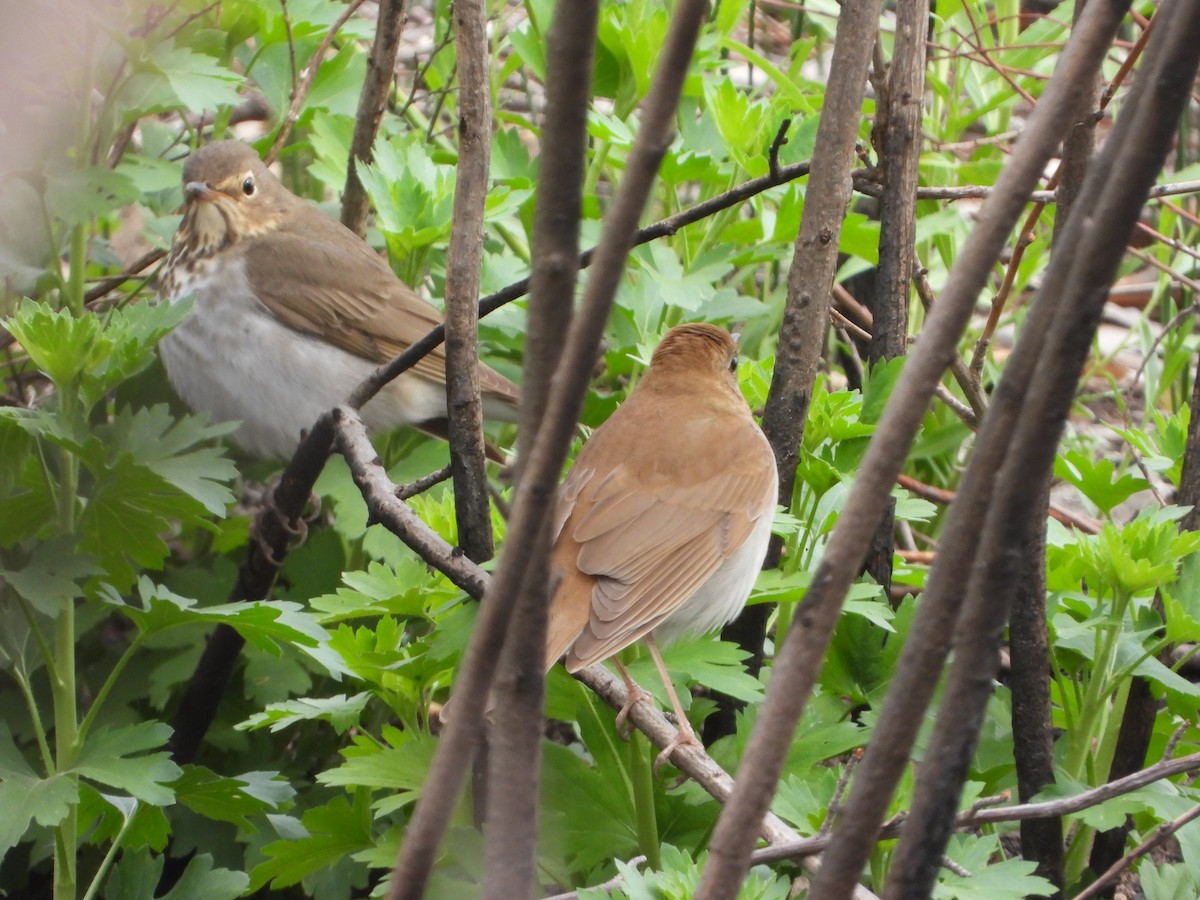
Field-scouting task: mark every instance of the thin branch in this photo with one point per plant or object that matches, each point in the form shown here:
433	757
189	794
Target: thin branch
464	261
135	268
385	508
532	504
405	491
801	341
300	92
1157	837
798	660
662	228
865	184
515	749
381	70
978	815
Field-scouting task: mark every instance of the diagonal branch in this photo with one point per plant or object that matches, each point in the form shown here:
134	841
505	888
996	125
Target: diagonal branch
798	661
515	748
372	102
533	498
1030	408
798	353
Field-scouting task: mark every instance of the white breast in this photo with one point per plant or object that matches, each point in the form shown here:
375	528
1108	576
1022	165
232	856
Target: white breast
234	360
721	598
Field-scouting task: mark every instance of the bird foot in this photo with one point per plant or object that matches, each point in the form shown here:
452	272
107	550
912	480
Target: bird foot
634	696
297	528
683	737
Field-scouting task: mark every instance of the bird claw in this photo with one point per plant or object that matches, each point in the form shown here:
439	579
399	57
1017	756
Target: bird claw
683	737
298	528
632	699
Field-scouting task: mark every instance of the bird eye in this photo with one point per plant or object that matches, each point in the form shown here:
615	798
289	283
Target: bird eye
248	186
733	363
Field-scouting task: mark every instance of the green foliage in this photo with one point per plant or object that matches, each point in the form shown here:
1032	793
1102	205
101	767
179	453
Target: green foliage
120	537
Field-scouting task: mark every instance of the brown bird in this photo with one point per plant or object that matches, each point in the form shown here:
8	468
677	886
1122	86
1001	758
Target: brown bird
292	311
663	522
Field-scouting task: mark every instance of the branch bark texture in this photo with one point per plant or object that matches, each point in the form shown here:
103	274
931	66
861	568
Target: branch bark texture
372	102
515	755
901	107
1042	384
464	259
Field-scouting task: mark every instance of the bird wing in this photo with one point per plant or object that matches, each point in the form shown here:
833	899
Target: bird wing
371	313
648	549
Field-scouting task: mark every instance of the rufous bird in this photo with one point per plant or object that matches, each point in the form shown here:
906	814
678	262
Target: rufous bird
663	522
292	311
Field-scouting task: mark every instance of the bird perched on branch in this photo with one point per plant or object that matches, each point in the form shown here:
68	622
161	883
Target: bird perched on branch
292	311
663	522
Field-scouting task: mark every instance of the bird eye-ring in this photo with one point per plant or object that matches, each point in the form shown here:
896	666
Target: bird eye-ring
248	186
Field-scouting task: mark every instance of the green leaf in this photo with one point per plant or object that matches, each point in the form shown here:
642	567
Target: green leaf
265	624
382	589
50	578
231	799
58	343
340	711
117	757
400	767
136	877
105	816
79	195
1168	879
878	383
714	664
570	785
1009	879
16	447
25	797
174	75
167	445
92	352
1097	479
330	833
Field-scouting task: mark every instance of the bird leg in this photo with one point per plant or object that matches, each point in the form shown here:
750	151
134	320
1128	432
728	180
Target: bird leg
685	735
268	510
633	695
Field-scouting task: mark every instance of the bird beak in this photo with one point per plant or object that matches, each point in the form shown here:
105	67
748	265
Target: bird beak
198	190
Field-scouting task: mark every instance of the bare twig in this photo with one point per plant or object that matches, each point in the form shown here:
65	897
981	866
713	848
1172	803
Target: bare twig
869	186
464	260
662	228
300	91
798	660
515	753
532	503
801	340
386	508
135	268
970	386
981	814
381	69
405	491
1157	837
777	145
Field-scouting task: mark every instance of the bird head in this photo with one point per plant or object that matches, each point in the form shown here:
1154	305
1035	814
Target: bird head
697	349
230	195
